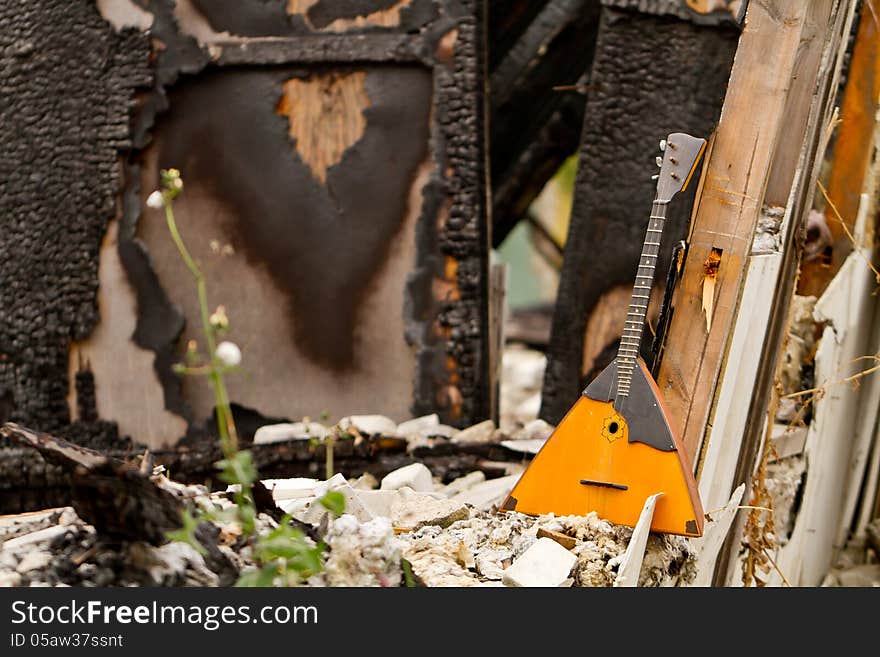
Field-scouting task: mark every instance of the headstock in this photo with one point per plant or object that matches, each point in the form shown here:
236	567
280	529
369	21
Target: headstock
681	154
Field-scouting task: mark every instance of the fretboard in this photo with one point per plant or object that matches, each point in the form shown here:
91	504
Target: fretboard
631	339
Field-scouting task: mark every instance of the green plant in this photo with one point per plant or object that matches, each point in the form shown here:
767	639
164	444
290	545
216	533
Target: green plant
284	555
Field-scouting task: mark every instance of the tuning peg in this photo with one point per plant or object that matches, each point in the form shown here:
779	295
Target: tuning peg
659	161
662	144
655	176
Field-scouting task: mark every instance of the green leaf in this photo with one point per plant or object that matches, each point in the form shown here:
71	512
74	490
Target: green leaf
239	469
334	502
263	577
407	573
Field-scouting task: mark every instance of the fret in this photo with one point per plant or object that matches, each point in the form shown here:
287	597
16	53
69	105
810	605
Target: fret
630	339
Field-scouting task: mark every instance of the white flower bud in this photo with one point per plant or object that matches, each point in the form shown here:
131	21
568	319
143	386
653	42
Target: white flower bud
228	353
156	200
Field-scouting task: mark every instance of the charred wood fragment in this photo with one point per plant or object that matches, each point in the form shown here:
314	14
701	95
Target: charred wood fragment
114	496
539	56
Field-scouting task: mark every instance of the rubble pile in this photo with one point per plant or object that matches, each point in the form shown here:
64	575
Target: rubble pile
447	535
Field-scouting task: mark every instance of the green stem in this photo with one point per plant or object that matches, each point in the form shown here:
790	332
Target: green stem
329	445
225	422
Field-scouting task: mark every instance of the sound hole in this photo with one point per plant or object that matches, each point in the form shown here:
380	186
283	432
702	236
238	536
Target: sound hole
613	427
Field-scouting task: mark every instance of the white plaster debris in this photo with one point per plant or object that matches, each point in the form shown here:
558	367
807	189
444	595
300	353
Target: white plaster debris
487	494
411	511
784	480
365	554
33	561
520	395
862	575
545	563
378	502
524	446
310	510
419	426
479	433
276	433
534	430
291	489
371	425
474	551
463	483
365	482
440	559
415	476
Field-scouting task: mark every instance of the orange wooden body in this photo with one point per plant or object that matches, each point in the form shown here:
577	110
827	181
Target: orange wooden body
583	448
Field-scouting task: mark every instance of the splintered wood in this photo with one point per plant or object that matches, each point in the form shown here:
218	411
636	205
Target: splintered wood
727	211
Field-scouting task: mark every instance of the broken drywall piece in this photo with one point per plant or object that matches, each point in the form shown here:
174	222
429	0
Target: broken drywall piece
545	563
489	493
713	538
276	433
631	562
410	511
415	476
479	433
524	446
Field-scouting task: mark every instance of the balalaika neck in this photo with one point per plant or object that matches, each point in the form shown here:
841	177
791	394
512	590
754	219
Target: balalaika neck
630	341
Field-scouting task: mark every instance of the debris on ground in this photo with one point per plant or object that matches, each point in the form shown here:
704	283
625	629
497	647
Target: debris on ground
445	540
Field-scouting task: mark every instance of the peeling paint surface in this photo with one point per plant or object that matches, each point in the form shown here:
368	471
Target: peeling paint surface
124	13
353	266
320	250
109	353
326	114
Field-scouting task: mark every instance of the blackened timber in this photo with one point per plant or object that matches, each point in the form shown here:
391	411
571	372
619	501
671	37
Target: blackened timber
114	496
651	75
535	47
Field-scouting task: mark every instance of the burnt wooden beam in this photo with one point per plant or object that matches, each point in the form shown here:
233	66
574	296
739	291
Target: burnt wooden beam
31	479
114	496
653	74
534	49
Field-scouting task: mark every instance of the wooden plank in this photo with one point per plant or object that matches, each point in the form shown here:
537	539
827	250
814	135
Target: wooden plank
853	148
717	465
813	145
737	173
723	441
847	307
